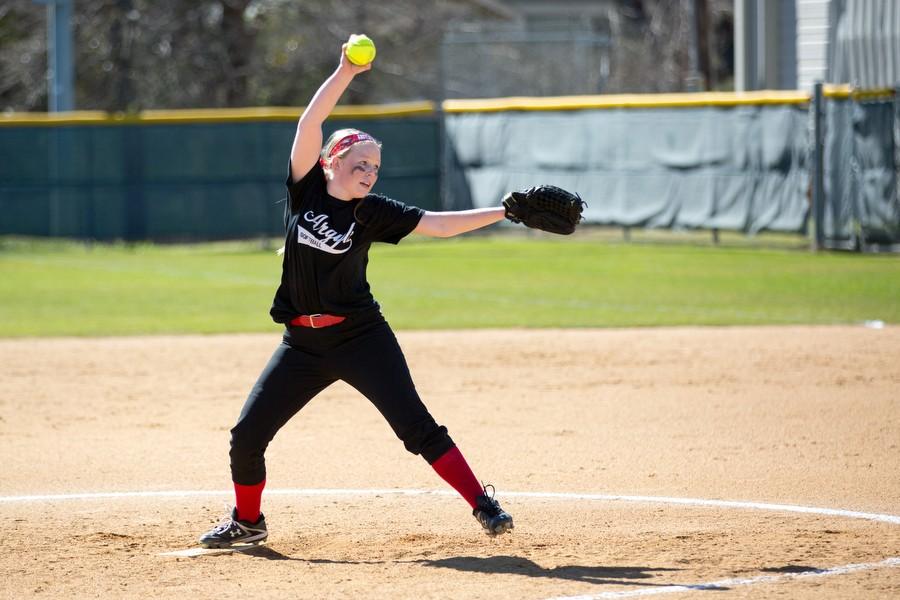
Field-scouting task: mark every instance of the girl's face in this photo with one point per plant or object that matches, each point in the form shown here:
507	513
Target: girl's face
355	173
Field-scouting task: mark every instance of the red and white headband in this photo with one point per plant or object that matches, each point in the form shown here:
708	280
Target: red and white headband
344	143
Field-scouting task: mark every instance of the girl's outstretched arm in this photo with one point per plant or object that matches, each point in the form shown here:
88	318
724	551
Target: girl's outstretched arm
448	224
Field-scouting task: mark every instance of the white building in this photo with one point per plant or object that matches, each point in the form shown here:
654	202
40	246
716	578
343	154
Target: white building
790	44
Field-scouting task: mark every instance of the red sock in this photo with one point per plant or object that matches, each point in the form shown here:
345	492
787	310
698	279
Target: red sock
454	469
247	500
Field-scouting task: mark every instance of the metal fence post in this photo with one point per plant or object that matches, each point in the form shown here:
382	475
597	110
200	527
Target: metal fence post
444	165
818	167
896	121
135	205
61	94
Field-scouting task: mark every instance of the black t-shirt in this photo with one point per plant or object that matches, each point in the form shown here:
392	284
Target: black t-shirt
326	247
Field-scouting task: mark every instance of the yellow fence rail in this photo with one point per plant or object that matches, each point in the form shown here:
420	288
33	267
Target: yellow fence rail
424	108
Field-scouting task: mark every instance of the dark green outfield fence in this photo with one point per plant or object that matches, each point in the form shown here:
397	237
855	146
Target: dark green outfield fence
758	161
161	180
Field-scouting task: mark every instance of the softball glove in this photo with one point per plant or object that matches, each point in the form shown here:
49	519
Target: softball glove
545	207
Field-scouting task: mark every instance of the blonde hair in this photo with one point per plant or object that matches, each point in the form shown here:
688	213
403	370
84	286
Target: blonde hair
330	143
324	156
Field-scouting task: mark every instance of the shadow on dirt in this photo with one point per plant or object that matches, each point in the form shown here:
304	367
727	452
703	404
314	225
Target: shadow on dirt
515	565
268	553
792	569
510	565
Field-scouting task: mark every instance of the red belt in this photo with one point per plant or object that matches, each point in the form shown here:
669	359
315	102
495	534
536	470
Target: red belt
316	321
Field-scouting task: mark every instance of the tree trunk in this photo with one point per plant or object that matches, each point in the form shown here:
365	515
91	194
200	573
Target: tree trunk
239	41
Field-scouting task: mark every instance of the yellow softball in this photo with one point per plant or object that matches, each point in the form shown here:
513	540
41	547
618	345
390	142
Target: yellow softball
360	49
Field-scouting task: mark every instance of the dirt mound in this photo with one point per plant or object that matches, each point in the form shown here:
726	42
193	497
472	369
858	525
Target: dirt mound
805	416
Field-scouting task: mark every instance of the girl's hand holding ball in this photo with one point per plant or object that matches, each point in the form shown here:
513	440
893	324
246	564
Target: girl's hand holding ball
360	50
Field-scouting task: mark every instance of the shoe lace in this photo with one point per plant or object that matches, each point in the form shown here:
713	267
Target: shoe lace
226	521
489	506
485	487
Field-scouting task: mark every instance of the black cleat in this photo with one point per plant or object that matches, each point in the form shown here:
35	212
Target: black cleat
231	532
488	512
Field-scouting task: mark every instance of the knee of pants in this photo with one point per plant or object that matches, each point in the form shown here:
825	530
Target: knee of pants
248	465
428	439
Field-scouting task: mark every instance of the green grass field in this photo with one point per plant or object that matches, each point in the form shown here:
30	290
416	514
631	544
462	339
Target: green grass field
55	288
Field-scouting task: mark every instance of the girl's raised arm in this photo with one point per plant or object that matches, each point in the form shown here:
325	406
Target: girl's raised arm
308	140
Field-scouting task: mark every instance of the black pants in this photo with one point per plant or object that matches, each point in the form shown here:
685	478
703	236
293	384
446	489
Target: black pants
361	351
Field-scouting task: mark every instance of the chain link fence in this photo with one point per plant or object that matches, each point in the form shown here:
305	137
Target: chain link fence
509	61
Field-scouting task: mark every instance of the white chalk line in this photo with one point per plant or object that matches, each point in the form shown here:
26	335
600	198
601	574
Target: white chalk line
834	512
192	552
710	585
723	584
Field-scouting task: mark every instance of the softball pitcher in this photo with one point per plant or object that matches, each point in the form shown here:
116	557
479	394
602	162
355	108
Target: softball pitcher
334	327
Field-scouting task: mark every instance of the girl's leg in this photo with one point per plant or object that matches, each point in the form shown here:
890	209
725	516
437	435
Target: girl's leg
288	382
247	500
453	468
375	366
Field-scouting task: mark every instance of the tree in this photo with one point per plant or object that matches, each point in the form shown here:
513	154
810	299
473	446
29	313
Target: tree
151	54
653	39
23	56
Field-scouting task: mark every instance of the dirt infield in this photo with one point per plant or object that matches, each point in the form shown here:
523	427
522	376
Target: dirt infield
801	416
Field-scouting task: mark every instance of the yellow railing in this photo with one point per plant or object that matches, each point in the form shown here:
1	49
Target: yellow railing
214	115
407	109
627	101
